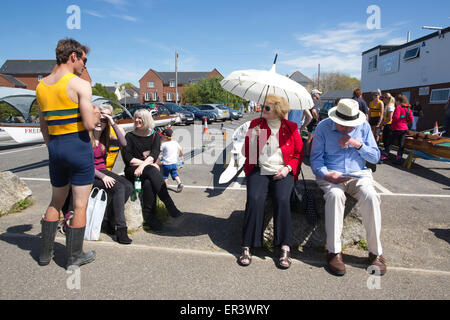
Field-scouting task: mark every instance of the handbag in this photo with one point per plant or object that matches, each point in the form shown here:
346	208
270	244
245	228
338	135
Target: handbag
307	201
94	213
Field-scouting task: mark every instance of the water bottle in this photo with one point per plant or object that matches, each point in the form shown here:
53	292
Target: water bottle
137	185
180	164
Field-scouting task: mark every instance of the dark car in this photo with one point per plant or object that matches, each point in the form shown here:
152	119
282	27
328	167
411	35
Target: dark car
186	116
323	113
234	114
199	114
132	109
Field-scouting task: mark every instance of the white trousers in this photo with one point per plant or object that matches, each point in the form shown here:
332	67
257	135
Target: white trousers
369	202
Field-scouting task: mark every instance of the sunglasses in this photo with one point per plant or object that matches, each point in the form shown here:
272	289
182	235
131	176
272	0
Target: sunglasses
79	57
267	108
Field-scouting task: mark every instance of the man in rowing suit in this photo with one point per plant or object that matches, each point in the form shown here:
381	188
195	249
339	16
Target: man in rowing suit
67	115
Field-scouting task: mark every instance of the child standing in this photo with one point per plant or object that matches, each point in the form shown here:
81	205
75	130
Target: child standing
170	151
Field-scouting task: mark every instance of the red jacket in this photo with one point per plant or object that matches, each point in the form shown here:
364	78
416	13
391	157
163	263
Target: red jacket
402	116
289	139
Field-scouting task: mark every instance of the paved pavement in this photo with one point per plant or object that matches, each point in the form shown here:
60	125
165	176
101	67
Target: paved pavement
196	257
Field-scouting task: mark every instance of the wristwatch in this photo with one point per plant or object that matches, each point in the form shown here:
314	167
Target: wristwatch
360	146
289	168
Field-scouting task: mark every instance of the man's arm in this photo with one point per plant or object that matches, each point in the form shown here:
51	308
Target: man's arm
90	114
44	127
317	154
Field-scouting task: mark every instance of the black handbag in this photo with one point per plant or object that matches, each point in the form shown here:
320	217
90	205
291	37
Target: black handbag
307	201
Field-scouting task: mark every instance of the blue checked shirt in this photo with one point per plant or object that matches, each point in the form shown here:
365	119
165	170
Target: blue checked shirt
327	154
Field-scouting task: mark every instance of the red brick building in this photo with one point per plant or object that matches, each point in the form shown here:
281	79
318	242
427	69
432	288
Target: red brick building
16	73
160	86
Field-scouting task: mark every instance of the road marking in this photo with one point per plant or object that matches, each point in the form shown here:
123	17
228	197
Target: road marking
8	152
243	188
215	253
381	188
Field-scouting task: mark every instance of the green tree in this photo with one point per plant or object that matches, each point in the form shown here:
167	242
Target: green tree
127	85
337	81
208	90
102	91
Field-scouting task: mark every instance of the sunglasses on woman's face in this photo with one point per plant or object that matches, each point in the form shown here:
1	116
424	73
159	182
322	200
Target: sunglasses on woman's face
267	108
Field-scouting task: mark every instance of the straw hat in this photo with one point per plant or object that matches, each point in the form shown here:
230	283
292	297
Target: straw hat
347	113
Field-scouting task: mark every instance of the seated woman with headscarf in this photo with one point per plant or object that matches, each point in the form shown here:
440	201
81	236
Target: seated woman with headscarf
274	152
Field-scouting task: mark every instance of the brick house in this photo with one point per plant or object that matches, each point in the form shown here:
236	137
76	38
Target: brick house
160	86
29	72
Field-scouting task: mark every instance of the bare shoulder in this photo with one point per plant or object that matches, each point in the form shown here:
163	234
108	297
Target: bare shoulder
78	84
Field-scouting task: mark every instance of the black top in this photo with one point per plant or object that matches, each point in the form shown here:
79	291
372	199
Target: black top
416	110
362	105
137	145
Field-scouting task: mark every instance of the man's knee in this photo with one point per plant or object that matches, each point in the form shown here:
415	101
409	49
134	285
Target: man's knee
335	194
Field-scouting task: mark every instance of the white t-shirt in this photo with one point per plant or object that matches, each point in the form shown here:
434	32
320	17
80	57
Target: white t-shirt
170	151
271	158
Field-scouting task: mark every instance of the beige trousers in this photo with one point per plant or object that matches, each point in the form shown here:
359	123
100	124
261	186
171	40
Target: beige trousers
369	202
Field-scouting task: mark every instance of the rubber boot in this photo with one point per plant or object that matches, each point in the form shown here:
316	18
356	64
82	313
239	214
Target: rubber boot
74	243
48	234
122	235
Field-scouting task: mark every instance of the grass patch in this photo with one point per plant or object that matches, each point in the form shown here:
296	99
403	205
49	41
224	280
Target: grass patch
363	245
19	206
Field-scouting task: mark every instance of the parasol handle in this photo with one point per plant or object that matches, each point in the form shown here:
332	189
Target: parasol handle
275	60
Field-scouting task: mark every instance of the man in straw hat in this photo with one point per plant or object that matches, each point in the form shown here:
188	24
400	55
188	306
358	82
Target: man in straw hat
342	144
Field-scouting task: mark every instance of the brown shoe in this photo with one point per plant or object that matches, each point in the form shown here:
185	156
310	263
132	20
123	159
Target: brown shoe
335	264
378	262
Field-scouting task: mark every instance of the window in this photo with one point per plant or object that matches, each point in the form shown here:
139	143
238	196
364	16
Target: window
155	96
147	96
439	95
169	96
150	84
40	77
172	83
373	63
411	53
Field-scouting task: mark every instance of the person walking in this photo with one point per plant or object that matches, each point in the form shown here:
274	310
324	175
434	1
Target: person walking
417	114
117	187
171	154
389	101
342	145
66	117
400	119
376	113
273	150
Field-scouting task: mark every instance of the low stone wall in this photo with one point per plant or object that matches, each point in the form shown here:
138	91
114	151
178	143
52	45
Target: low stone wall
305	235
13	191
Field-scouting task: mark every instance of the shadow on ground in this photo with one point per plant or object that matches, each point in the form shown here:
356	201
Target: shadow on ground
31	243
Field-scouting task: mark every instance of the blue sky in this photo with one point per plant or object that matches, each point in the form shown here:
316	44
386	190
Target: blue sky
128	37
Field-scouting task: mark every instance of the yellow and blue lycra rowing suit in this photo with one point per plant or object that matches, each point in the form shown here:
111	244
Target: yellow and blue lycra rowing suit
71	159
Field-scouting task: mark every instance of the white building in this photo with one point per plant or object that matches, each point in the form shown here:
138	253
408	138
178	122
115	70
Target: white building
420	69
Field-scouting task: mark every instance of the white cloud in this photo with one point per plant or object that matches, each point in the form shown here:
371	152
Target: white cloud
337	49
94	13
126	17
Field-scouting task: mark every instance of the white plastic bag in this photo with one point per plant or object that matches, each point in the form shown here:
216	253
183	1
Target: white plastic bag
95	211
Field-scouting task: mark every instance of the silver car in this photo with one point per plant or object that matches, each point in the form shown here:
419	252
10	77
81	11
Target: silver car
221	113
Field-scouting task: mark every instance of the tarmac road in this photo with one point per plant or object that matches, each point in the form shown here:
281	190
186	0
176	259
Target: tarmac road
196	257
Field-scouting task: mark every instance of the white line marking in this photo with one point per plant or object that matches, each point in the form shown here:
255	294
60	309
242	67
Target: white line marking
381	188
244	188
214	253
8	152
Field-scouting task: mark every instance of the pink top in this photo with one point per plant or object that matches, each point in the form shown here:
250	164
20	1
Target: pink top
401	117
99	157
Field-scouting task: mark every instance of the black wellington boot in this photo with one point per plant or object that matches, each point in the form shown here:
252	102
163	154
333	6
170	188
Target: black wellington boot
122	235
48	234
74	243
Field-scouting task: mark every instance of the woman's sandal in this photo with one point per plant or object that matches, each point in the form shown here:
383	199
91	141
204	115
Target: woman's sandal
285	258
245	256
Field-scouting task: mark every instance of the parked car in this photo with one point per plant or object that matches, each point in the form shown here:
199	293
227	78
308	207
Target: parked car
323	112
132	109
199	114
221	113
234	114
186	116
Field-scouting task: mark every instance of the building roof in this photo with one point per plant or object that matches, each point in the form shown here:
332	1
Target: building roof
299	77
336	94
183	77
17	67
130	100
385	49
16	82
